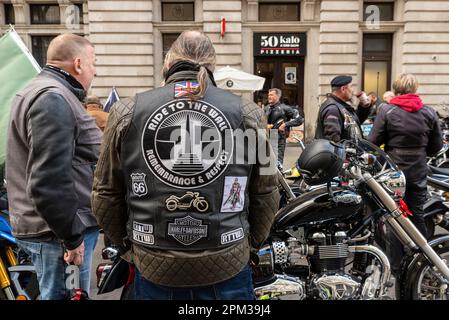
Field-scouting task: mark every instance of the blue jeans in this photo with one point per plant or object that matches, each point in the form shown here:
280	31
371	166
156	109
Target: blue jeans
48	259
239	287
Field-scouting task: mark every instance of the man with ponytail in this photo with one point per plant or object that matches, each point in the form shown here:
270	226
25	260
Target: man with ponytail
170	158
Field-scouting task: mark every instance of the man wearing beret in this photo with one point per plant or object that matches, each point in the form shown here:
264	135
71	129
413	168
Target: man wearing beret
337	118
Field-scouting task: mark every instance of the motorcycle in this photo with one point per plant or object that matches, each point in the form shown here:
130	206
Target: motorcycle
314	237
18	279
441	158
436	208
308	253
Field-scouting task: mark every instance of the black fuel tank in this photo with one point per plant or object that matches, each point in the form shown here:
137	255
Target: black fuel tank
318	206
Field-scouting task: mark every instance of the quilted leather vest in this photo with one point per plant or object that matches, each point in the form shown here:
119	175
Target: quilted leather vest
184	188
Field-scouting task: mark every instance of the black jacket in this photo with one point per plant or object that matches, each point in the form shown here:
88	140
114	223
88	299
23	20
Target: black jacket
408	137
334	119
279	111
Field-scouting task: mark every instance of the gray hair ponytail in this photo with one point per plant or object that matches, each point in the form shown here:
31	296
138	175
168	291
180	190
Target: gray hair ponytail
195	47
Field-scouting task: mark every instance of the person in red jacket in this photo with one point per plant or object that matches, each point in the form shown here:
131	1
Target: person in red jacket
410	131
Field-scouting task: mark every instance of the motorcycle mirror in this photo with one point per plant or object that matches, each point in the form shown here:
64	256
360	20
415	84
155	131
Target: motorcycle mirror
109	253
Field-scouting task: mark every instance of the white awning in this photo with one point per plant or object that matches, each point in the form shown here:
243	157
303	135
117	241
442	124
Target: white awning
236	80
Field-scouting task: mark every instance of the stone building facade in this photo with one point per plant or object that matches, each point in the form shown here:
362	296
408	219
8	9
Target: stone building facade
336	37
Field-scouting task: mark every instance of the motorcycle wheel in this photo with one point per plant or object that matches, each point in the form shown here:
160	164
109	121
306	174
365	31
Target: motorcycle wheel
171	205
444	164
202	206
423	284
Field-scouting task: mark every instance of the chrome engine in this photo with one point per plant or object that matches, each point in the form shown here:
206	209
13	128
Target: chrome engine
324	257
335	287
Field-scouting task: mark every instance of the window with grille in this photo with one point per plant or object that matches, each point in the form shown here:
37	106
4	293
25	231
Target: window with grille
385	10
167	41
279	11
39	47
178	11
10	17
45	14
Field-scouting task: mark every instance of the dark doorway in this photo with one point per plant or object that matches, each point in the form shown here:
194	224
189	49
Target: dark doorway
285	73
377	53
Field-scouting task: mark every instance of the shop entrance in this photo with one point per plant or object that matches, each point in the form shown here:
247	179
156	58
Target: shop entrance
285	73
279	58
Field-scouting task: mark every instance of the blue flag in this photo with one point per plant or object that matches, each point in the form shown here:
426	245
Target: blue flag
112	98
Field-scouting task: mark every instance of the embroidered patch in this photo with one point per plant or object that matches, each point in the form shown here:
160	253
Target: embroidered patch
187	230
143	237
139	184
142	227
184	88
232	236
187	144
186	202
234	194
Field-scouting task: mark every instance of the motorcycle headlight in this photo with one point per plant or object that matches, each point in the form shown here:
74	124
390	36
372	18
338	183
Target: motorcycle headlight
393	182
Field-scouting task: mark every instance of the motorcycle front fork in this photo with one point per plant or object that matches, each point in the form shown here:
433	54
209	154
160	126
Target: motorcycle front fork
404	229
5	282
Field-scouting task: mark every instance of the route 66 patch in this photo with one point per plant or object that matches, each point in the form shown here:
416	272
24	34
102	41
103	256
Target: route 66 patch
139	184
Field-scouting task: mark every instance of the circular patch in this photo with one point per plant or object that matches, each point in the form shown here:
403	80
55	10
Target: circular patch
230	83
187	144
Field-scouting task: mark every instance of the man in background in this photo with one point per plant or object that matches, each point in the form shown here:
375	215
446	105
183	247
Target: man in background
95	109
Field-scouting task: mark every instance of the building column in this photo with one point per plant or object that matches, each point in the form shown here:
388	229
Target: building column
122	32
339	50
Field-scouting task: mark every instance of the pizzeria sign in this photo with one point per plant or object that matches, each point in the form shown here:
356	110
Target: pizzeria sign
280	44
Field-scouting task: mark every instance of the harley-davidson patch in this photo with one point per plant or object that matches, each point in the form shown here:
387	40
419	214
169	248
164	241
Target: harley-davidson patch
186	202
187	144
234	194
139	185
143	237
142	227
232	236
187	230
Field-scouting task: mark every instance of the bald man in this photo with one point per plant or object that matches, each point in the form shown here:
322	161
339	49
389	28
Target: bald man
53	146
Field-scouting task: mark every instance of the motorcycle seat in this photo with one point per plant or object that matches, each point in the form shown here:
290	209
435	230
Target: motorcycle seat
439	181
440	171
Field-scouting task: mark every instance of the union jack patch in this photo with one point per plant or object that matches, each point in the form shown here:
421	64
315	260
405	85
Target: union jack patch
184	88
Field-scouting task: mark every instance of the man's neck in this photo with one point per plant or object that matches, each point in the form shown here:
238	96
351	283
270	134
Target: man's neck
70	78
339	97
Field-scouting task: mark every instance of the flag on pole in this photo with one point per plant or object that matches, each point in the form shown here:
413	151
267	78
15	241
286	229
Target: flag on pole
112	98
17	68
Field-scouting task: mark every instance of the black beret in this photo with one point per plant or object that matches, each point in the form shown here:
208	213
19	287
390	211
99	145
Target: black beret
339	81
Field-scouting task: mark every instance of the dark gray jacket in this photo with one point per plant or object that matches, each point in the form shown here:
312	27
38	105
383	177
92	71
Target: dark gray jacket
409	137
53	146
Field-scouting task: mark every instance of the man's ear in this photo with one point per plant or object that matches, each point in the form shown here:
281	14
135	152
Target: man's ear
77	65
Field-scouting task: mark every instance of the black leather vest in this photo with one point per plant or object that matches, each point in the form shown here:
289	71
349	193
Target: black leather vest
184	190
350	128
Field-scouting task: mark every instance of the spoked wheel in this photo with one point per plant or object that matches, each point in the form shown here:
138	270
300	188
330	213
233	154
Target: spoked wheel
443	164
430	284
